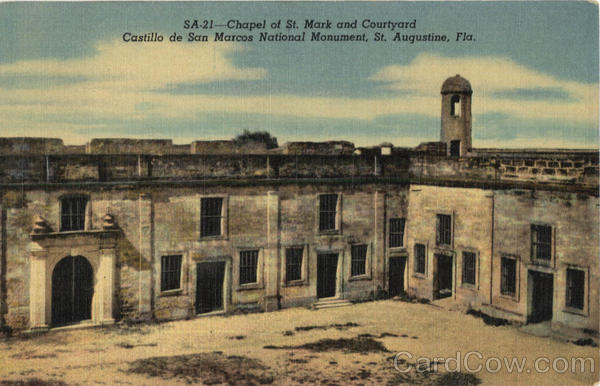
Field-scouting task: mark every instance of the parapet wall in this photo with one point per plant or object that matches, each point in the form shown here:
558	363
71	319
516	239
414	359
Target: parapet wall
154	160
577	171
28	145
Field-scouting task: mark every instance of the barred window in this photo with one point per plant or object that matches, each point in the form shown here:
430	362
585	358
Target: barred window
575	288
359	260
73	213
210	218
327	211
248	266
293	264
508	272
170	272
468	267
444	229
420	258
541	242
396	232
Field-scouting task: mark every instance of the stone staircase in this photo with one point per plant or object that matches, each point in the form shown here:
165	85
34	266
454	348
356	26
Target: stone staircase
331	303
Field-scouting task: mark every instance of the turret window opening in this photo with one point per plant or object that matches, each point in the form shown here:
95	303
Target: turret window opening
455	106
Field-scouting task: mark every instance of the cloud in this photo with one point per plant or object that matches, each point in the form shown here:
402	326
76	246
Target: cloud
129	82
493	80
147	66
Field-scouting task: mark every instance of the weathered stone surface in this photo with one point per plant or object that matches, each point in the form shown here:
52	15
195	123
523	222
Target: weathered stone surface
130	146
30	145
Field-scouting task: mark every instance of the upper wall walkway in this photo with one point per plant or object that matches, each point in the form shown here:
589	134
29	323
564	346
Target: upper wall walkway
37	162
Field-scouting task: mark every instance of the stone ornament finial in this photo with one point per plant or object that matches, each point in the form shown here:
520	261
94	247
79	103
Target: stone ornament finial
40	225
108	222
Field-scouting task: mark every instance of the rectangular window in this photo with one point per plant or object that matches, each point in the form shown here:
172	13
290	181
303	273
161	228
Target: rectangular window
293	264
575	288
541	242
420	258
210	218
396	232
327	212
170	269
248	266
508	271
444	229
468	268
73	213
359	260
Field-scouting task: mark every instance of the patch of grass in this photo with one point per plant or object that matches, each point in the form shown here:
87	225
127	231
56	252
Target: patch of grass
299	360
427	374
32	355
360	344
32	382
585	342
404	297
208	368
457	379
382	335
130	346
489	320
337	326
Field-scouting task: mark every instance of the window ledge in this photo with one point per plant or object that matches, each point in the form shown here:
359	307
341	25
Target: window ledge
468	286
213	238
419	275
575	311
509	297
329	232
360	277
401	248
172	292
249	286
542	262
295	283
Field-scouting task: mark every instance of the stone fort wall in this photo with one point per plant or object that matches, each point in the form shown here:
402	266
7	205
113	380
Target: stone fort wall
154	189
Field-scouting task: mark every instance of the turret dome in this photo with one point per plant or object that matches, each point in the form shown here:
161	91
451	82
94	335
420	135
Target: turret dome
456	84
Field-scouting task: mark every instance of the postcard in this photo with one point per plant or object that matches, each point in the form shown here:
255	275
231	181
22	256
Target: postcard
400	192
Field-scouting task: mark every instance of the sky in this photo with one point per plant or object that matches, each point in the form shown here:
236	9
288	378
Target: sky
66	72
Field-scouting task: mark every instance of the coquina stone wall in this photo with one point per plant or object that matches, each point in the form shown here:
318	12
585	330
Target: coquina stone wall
153	190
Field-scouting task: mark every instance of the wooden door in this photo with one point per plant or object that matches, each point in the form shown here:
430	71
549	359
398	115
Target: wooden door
326	275
541	296
396	275
72	290
209	286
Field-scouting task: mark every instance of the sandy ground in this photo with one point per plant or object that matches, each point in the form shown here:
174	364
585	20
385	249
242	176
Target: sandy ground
106	356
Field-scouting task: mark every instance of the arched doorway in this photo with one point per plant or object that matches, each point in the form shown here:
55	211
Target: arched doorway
72	290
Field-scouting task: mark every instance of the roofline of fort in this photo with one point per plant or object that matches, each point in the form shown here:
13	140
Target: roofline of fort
23	146
35	163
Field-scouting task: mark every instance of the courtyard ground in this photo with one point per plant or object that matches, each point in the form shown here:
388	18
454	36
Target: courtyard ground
347	345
